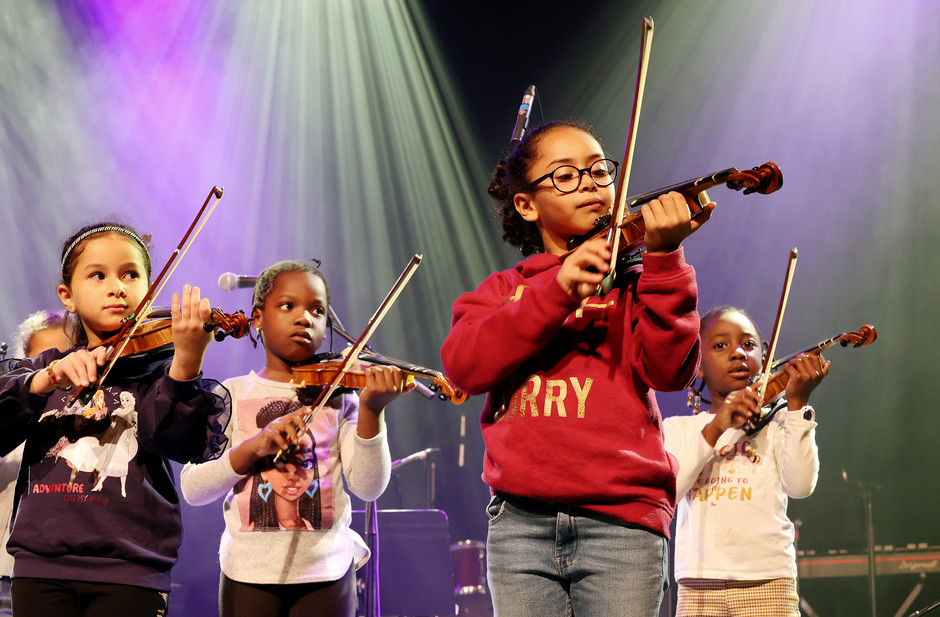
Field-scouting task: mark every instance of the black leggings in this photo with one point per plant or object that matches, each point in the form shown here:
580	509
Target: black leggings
43	597
327	599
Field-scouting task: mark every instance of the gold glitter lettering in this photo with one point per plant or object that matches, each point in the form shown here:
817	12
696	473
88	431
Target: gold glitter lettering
581	393
587	303
557	399
517	294
528	398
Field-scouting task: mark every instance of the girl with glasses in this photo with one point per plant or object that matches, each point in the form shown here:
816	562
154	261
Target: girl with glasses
287	547
583	489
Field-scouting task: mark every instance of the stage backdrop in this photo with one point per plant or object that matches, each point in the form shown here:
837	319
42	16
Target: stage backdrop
361	133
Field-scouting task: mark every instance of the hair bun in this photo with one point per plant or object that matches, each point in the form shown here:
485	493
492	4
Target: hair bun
498	188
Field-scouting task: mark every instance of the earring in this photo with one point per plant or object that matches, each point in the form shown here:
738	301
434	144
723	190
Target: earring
695	398
251	336
264	491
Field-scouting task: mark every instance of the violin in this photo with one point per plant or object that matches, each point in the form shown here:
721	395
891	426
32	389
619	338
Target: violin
322	373
763	179
317	402
156	332
625	232
776	384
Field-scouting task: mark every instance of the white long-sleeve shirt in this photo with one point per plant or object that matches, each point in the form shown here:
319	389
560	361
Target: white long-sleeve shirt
325	550
731	520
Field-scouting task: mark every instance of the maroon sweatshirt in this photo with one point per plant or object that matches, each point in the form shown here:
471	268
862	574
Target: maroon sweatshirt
570	414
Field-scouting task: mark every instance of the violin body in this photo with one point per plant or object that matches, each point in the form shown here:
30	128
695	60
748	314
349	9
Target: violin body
354	377
151	335
156	334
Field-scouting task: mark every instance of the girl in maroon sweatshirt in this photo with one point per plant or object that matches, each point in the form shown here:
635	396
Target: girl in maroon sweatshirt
583	489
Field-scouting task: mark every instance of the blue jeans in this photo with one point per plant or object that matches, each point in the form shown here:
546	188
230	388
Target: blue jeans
553	560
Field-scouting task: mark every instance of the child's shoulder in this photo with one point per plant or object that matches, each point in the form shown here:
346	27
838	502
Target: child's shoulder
687	421
253	385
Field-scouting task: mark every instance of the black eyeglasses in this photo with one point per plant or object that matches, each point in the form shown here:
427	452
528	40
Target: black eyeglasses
567	178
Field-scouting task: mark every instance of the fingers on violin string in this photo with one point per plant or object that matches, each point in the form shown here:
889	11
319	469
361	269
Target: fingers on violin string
383	377
183	301
190	297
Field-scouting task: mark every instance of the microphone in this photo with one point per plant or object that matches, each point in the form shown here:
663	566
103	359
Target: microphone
229	281
417	456
522	120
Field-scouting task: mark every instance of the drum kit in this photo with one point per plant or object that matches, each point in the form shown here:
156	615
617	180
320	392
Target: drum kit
473	597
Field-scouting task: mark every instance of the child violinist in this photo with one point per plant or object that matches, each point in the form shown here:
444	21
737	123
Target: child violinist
97	525
287	545
582	487
734	545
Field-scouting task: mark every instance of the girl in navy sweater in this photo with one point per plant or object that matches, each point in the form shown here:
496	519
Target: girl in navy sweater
97	526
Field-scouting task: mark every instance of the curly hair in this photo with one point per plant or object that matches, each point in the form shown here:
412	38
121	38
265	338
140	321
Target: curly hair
511	177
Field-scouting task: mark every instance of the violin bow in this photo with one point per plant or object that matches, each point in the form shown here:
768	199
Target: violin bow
768	364
620	205
353	355
146	304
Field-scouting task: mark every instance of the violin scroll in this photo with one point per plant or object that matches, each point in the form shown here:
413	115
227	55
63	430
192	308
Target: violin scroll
234	324
763	179
866	335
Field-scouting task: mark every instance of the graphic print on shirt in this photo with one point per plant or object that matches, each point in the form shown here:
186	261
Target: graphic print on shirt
89	440
560	397
296	494
729	473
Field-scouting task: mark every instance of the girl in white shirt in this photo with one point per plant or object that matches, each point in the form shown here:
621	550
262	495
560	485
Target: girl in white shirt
287	547
734	543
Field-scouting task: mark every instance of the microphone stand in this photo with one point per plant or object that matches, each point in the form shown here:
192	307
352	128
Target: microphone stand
432	497
373	603
867	493
372	595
